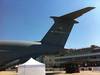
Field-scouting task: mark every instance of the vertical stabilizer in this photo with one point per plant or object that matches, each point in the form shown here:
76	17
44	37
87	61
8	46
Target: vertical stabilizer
59	32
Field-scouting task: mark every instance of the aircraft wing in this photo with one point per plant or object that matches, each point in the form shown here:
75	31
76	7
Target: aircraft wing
12	51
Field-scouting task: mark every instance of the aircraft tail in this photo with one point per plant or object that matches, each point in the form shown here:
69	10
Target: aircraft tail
59	32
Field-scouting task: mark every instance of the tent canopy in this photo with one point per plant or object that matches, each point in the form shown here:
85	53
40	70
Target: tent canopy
31	61
31	67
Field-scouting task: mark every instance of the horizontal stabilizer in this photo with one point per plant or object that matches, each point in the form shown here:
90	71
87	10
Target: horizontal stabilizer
78	13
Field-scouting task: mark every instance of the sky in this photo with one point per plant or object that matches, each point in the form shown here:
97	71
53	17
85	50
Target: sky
29	20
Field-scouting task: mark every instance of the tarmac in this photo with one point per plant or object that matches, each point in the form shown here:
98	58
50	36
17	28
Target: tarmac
8	73
56	73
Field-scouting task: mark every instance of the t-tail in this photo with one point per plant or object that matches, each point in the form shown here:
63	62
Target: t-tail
59	32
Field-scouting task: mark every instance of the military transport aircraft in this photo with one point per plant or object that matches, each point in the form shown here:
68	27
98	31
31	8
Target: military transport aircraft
14	52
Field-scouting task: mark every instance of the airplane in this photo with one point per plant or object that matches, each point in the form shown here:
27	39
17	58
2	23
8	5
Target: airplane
17	52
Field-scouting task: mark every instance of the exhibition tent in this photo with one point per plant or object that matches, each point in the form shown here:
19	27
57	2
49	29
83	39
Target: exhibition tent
31	67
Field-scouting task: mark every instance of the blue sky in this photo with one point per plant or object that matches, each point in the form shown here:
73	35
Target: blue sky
29	20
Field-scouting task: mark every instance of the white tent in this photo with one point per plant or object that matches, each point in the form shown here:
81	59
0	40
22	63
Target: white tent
31	67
